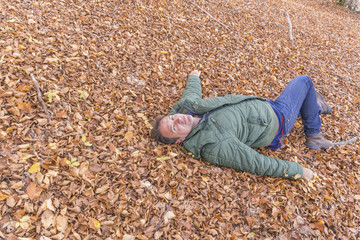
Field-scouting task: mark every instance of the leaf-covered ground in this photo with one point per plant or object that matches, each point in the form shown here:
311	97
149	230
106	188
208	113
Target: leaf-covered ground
87	169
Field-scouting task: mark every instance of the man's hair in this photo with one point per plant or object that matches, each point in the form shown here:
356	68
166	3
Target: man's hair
155	132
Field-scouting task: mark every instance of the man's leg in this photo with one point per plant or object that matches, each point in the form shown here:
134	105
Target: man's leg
299	97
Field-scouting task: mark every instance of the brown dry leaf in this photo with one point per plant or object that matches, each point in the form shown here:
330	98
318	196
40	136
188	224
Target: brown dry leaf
61	223
10	201
48	219
33	191
129	135
106	69
94	224
51	60
25	107
319	225
168	216
102	189
290	209
128	237
24	88
298	222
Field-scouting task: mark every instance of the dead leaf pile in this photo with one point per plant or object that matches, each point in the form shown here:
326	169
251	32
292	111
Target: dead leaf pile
87	169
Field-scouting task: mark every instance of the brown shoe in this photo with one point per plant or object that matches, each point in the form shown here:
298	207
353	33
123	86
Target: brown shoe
318	141
326	109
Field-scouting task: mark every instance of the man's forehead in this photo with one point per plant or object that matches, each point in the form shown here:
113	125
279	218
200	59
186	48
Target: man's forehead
164	120
164	123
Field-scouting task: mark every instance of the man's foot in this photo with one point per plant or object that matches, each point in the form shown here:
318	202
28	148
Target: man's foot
318	141
326	109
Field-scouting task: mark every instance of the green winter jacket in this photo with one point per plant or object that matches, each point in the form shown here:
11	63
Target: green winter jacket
230	127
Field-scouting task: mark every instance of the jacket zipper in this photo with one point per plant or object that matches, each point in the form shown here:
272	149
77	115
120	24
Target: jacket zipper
217	125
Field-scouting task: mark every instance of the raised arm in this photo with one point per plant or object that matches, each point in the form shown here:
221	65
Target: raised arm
191	92
235	154
193	86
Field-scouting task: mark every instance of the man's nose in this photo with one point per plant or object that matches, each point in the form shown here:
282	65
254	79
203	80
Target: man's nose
177	119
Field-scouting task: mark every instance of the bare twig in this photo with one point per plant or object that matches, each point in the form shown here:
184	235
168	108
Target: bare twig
352	140
91	33
166	210
290	27
209	14
39	95
169	28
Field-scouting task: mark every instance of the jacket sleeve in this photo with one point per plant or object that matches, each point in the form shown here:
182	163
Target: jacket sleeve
234	154
192	88
191	92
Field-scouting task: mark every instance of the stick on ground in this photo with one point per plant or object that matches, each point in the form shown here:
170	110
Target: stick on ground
290	27
352	140
39	95
209	14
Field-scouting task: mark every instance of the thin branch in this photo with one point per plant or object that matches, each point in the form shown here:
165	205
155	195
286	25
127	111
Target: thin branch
290	27
209	14
39	95
167	35
166	210
91	33
352	140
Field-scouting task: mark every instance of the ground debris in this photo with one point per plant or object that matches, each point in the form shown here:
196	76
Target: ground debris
79	163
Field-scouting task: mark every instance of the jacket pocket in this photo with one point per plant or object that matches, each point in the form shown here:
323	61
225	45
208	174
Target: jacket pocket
259	120
217	125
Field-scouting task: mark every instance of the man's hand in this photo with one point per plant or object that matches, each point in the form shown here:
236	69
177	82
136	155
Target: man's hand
308	174
196	73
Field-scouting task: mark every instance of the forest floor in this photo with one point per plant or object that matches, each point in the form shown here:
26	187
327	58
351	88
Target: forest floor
76	159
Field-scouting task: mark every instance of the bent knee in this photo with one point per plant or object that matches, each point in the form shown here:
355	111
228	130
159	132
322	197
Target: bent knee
306	80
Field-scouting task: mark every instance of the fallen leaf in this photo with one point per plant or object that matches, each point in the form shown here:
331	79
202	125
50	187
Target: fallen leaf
51	59
47	219
102	189
3	196
25	107
24	88
129	135
162	159
83	94
94	224
83	138
33	191
35	168
25	157
61	223
251	235
128	237
52	94
168	216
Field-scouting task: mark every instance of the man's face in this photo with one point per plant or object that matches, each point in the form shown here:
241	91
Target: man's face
177	126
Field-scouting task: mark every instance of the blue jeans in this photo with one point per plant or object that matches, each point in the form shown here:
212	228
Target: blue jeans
299	99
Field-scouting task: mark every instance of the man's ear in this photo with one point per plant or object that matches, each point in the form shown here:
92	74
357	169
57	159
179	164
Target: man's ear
180	140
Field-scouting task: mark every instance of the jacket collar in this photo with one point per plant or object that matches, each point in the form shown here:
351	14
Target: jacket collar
198	138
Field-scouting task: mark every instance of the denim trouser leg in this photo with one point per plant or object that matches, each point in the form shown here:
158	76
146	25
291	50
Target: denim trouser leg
299	97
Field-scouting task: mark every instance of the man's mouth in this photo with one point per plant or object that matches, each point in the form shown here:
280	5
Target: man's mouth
184	120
